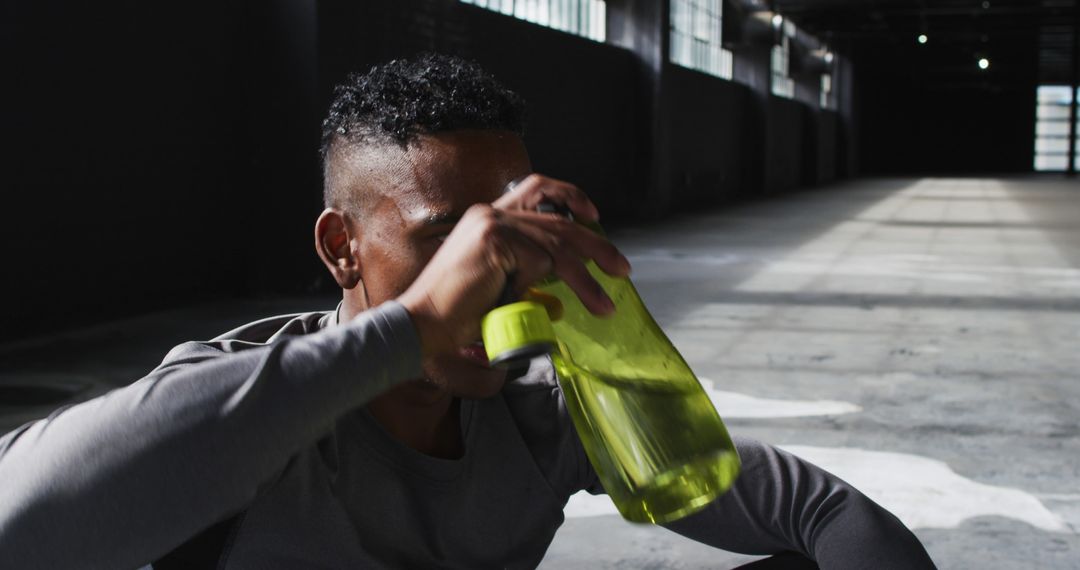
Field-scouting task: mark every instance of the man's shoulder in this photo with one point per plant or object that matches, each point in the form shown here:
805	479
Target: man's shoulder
255	334
271	329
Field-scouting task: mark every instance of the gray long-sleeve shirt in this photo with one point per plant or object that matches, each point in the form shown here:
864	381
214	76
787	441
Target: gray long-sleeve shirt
265	427
268	419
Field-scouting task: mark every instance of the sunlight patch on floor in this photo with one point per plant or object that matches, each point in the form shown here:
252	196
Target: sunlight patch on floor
735	405
924	492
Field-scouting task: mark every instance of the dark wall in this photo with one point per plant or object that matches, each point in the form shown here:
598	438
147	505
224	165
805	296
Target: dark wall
726	141
785	138
119	136
590	120
709	135
819	146
826	148
156	154
928	109
921	130
281	178
159	154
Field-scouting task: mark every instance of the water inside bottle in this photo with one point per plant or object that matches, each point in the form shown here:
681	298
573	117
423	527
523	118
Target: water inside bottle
645	428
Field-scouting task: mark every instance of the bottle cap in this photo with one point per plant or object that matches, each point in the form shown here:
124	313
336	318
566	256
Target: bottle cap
517	331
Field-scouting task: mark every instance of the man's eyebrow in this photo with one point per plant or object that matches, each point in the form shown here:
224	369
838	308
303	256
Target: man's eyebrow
441	219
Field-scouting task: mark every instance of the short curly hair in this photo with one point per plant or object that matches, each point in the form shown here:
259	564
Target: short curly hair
395	102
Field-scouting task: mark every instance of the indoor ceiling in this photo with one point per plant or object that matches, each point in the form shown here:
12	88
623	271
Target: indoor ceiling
992	26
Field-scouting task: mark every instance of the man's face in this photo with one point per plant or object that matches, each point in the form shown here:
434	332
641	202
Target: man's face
417	195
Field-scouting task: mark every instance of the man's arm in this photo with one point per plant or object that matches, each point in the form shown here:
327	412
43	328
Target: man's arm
121	479
781	503
118	480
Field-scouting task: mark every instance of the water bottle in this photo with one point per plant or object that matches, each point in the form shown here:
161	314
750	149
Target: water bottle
649	429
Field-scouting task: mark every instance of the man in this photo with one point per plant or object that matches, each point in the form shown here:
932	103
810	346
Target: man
376	435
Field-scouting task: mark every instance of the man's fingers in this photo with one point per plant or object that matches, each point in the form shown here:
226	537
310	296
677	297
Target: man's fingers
577	277
532	261
603	252
550	302
535	188
565	247
567	266
566	236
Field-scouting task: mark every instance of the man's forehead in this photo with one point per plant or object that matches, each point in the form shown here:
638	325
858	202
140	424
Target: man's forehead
468	161
437	177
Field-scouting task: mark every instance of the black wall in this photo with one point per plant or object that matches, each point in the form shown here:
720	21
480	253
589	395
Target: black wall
929	109
119	141
711	137
158	154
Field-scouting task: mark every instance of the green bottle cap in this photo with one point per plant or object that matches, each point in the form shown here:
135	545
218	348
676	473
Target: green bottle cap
517	331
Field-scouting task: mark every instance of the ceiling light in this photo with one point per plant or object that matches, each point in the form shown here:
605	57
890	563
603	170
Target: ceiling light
923	39
984	63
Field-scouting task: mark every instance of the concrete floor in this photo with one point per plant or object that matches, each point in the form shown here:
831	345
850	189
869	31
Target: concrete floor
920	338
917	337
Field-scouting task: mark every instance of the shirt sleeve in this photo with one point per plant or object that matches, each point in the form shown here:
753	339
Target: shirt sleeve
782	504
121	479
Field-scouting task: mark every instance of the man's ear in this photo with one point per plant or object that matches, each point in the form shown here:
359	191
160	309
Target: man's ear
333	241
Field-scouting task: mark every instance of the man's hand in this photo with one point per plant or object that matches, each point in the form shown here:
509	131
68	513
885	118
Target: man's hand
464	279
530	191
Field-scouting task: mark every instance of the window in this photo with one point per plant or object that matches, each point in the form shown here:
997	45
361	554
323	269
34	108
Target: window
826	90
782	84
695	37
1052	108
586	18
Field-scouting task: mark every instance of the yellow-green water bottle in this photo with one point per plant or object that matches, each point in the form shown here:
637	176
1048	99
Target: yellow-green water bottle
647	425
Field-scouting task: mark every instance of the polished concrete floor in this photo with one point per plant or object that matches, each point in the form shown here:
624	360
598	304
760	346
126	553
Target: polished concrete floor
918	337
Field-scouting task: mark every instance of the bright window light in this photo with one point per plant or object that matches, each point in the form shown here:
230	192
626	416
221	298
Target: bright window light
1052	113
782	83
826	90
586	18
695	37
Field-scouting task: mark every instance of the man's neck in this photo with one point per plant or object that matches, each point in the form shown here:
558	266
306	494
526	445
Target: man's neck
349	308
410	415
